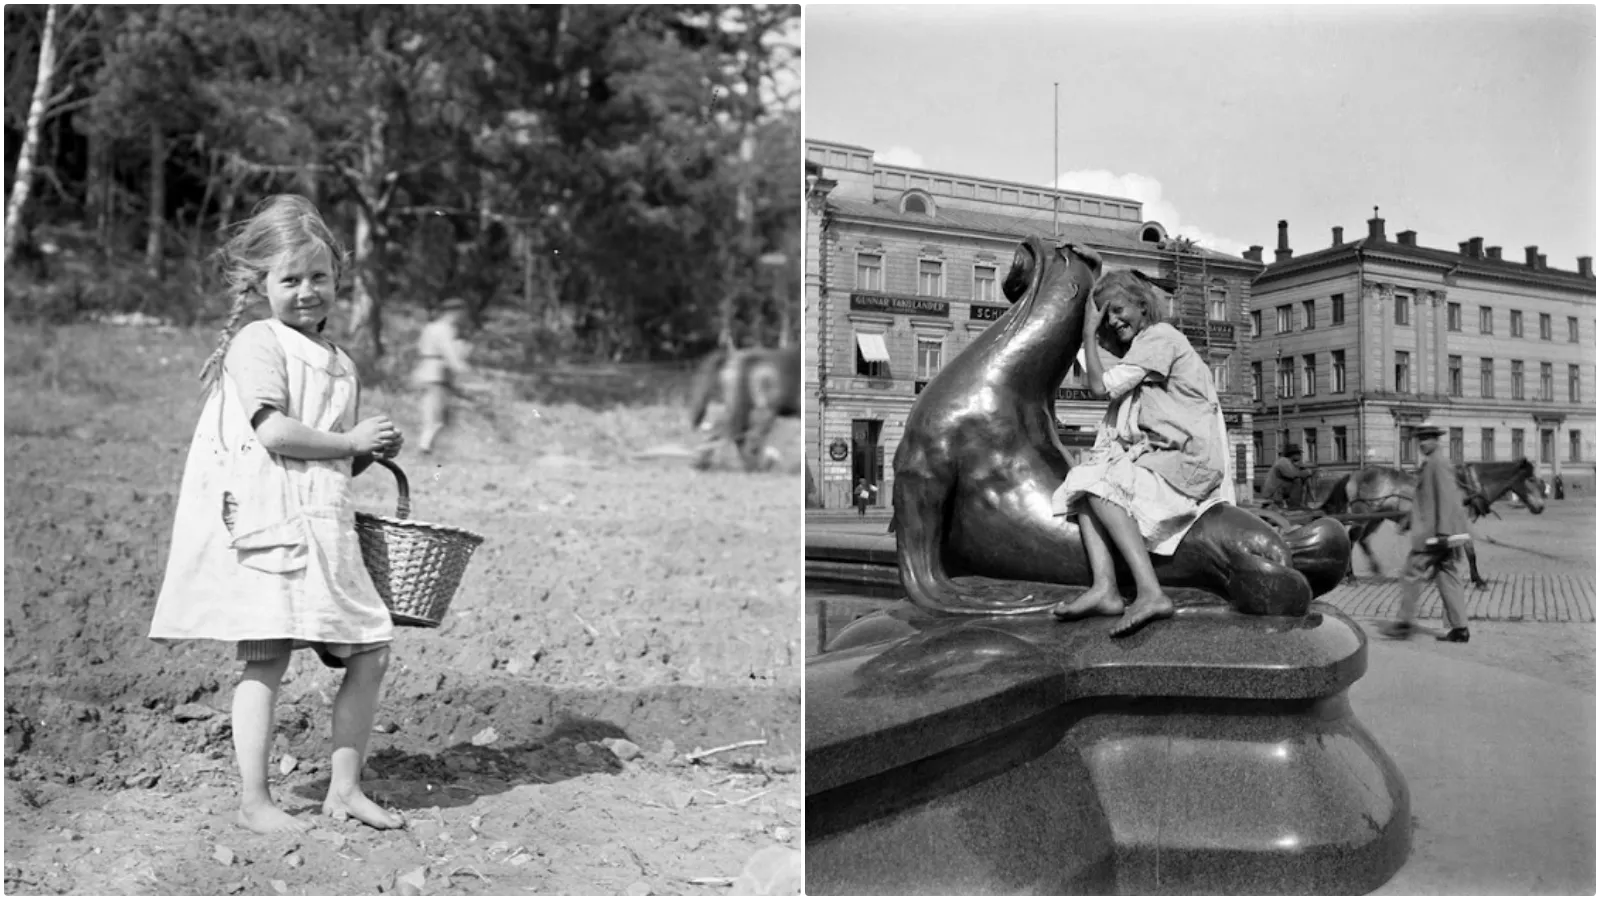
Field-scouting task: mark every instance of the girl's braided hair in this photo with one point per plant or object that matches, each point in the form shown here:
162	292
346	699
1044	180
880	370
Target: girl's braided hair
280	224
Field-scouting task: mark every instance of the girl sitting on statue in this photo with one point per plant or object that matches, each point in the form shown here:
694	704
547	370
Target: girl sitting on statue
1160	454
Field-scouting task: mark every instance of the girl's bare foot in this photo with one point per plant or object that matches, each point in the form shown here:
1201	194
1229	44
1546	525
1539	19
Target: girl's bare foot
1145	609
352	804
1096	601
264	818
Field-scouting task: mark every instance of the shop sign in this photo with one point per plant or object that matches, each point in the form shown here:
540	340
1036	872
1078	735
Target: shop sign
838	449
900	305
979	313
1073	394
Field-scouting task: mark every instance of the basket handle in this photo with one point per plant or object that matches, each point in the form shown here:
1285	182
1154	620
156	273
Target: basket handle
403	502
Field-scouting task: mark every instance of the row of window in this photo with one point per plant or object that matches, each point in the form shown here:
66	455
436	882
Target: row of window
1302	381
1408	445
930	277
931	283
930	359
1305	319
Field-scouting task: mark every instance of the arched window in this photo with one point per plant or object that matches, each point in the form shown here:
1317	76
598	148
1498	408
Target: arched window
917	202
1152	233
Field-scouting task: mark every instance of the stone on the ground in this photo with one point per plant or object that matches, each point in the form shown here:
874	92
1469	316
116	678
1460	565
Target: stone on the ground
771	872
622	749
193	712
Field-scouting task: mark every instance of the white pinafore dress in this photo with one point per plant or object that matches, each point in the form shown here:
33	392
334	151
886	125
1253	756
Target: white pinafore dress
290	567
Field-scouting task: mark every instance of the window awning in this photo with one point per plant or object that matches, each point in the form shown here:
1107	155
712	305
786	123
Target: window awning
873	350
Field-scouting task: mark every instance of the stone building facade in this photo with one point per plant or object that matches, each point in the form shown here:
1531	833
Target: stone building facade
1364	339
903	271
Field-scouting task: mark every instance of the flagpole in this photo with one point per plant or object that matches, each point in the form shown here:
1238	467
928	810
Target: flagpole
1055	174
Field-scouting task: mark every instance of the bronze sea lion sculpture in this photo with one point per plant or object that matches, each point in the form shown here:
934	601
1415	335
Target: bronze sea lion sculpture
980	460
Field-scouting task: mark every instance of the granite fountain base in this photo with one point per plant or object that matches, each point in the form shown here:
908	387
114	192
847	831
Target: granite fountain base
1212	753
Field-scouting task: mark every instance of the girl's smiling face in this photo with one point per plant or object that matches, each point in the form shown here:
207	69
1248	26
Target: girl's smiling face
300	287
1125	318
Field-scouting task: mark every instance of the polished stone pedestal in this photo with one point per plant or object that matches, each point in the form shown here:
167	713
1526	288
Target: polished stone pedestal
1210	753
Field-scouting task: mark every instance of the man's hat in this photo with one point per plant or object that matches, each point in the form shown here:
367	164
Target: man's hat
1429	429
1291	450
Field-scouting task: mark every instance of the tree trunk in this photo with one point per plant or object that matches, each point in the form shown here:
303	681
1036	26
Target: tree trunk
30	141
155	242
366	324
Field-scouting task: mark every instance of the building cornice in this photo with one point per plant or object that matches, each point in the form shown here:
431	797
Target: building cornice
1243	267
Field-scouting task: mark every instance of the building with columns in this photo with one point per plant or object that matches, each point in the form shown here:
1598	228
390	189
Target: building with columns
903	270
1357	342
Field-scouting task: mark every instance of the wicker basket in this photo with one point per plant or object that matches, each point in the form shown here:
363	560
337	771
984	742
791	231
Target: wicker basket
415	566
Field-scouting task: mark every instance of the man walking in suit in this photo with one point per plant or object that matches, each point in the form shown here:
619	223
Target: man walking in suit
1438	529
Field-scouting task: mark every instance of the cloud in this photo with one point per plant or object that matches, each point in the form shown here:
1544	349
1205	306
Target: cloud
1148	191
899	156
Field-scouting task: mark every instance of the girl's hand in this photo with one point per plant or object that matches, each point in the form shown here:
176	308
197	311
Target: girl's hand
372	434
1093	315
392	449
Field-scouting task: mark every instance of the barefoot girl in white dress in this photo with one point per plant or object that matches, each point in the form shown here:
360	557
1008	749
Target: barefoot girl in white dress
278	442
1160	455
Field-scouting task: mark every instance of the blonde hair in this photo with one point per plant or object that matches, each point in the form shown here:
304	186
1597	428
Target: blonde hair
1131	285
282	223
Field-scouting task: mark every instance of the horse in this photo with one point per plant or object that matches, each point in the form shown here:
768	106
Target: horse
757	385
979	462
1388	490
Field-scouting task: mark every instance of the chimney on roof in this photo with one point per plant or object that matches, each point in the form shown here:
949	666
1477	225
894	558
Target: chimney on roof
1531	256
1408	238
1541	262
1586	266
1492	252
1461	247
1338	235
1254	253
1475	247
1375	226
1283	252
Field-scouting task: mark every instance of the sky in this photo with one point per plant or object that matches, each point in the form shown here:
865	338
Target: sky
1455	121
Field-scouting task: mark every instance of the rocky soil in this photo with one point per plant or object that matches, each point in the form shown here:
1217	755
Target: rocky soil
622	615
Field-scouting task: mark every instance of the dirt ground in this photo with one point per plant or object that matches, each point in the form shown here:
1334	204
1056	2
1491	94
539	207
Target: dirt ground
613	599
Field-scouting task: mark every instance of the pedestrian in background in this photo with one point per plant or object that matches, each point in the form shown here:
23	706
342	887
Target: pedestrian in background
1286	481
442	353
863	496
1438	531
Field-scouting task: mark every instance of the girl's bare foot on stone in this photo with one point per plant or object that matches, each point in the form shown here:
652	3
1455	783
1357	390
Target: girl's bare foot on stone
264	818
1145	609
1096	601
352	804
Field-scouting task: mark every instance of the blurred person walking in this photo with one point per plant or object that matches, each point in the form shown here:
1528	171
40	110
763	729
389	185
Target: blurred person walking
442	353
1438	531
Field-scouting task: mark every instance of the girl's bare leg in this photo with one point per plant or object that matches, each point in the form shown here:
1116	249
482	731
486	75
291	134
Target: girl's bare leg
253	701
353	710
1150	603
1102	598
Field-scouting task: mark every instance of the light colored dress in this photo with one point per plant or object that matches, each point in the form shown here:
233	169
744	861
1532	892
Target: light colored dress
291	565
1161	452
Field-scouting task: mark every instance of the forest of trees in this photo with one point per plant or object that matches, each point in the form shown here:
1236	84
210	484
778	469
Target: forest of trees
621	181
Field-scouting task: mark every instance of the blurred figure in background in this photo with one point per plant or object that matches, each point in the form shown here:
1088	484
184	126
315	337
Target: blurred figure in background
1287	480
442	353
